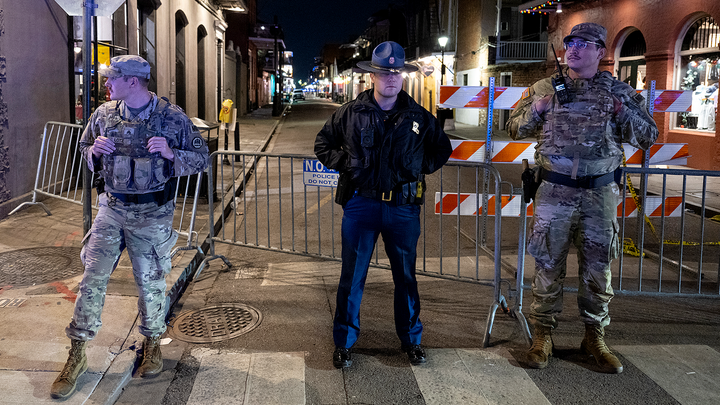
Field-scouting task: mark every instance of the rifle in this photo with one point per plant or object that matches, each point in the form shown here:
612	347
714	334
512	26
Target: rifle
564	95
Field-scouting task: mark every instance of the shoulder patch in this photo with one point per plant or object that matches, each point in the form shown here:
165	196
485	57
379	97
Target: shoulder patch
527	93
197	142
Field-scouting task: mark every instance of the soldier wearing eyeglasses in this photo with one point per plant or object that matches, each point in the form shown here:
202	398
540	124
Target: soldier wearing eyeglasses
580	116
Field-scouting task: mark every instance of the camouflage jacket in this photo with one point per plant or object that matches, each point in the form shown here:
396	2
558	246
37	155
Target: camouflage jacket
131	168
585	136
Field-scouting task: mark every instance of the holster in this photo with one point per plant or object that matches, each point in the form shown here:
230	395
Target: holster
99	184
530	181
345	189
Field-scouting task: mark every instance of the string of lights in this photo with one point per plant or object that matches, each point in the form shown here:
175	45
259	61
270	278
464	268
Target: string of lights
541	8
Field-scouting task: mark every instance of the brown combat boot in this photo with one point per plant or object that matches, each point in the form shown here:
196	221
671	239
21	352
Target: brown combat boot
541	348
594	344
75	366
152	362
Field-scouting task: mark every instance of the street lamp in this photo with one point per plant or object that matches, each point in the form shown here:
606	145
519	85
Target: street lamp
442	41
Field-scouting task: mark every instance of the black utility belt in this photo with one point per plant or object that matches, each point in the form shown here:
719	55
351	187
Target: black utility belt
579	182
402	194
159	197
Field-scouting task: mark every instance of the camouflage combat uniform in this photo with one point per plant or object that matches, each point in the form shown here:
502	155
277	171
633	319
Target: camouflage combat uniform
144	228
579	140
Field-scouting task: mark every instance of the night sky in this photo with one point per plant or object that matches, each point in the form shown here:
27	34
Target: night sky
308	25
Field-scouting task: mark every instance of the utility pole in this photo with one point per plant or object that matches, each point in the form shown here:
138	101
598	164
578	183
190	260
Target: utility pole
88	12
88	9
275	30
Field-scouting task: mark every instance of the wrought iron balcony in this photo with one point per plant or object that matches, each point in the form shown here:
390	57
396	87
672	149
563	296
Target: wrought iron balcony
522	50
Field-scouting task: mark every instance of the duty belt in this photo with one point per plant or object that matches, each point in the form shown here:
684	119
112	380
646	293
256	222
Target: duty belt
579	182
402	194
159	197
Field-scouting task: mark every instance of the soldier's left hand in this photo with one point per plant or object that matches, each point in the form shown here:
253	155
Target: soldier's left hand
158	144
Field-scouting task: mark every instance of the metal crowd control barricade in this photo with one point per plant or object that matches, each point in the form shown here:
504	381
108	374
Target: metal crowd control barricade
675	231
59	175
266	203
189	232
649	204
59	171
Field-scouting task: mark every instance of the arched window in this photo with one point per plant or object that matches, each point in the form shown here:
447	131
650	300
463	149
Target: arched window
147	18
700	73
180	23
631	63
201	39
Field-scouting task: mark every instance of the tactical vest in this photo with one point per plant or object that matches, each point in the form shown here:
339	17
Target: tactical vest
581	131
131	168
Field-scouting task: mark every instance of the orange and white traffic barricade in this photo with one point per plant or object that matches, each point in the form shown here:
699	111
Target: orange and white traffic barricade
507	98
470	204
516	151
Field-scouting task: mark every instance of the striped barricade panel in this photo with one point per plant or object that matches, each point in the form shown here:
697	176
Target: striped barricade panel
516	151
507	98
468	204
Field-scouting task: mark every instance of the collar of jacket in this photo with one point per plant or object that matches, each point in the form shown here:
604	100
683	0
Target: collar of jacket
600	75
125	113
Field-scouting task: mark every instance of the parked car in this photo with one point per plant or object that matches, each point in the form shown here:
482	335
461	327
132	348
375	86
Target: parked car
298	94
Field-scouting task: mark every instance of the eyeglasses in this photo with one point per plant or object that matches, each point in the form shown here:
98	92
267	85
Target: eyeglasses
580	44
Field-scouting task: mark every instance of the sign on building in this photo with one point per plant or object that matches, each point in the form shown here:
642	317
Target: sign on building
315	174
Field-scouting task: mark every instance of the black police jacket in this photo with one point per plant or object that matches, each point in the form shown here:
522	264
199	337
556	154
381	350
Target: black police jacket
372	154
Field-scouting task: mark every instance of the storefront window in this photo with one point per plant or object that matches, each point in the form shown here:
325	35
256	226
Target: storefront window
111	38
700	73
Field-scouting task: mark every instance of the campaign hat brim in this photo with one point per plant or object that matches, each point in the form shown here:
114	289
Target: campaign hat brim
369	67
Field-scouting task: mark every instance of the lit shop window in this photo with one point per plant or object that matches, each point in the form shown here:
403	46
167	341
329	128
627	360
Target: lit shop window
700	73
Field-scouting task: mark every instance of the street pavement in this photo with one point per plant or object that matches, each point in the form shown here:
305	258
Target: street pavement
670	346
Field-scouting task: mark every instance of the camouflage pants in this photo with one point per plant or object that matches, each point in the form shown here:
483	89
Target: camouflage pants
587	219
146	231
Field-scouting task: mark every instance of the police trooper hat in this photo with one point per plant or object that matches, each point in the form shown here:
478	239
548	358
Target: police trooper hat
127	65
588	31
388	57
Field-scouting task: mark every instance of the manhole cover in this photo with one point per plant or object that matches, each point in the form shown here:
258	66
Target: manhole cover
39	265
216	323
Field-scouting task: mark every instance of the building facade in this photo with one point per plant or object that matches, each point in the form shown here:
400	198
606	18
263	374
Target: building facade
41	63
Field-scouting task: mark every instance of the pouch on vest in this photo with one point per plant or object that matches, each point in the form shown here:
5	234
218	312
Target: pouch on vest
122	170
143	173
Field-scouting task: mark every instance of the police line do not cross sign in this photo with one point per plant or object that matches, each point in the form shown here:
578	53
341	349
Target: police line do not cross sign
315	174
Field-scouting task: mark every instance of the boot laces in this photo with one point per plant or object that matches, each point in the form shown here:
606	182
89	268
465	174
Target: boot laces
150	345
72	360
597	341
541	339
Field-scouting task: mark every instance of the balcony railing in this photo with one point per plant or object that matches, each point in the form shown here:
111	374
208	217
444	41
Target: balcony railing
522	50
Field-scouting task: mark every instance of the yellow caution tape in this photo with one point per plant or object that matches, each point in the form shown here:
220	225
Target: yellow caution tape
629	246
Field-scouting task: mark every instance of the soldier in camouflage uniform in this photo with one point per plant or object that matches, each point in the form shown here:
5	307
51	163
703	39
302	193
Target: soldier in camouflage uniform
579	148
136	143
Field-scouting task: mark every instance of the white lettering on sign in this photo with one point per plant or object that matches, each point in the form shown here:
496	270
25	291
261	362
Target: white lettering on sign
315	174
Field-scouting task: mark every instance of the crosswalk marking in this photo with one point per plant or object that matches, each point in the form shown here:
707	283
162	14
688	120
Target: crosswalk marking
248	378
489	376
475	376
690	373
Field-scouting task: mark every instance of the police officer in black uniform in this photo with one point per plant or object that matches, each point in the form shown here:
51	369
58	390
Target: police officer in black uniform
382	143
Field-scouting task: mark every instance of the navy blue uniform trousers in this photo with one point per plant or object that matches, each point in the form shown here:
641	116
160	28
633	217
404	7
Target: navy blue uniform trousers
363	220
